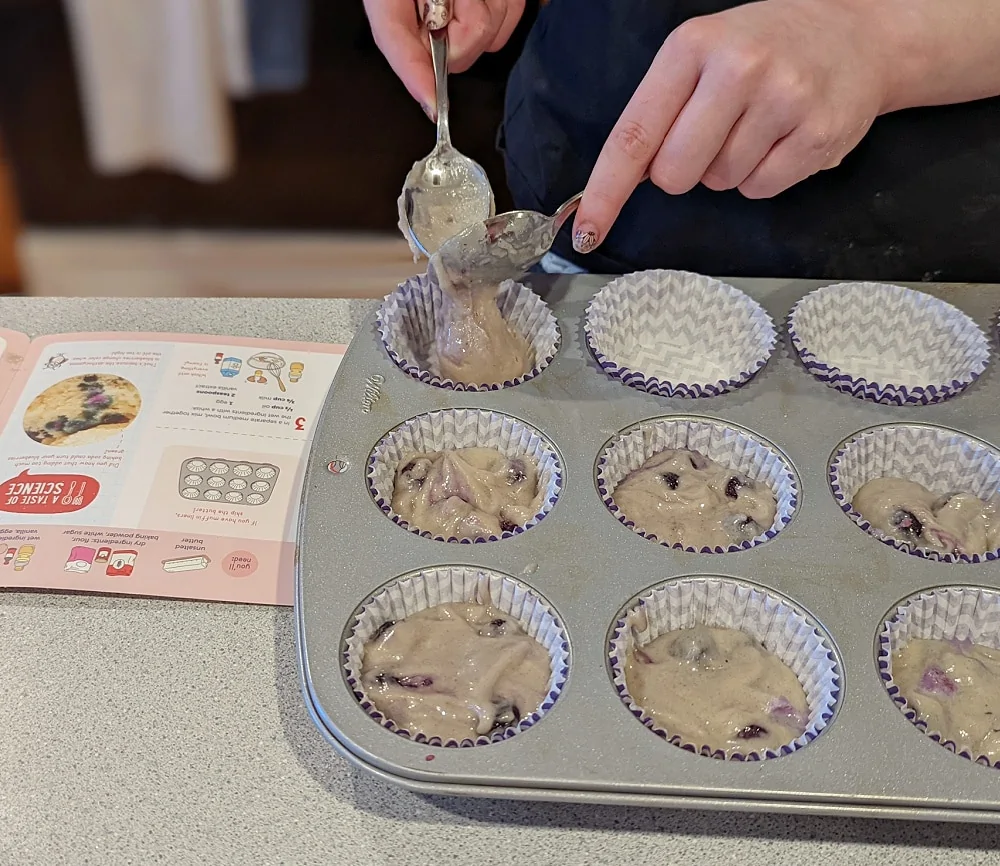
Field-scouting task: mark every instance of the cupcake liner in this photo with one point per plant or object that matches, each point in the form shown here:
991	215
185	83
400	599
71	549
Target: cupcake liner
947	613
724	443
677	334
462	428
941	460
887	344
782	627
407	317
445	584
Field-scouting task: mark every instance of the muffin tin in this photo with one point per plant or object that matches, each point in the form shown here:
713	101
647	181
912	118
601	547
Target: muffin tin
227	482
870	760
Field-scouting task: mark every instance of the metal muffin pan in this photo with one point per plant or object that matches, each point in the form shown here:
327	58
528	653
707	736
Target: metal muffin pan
228	482
870	761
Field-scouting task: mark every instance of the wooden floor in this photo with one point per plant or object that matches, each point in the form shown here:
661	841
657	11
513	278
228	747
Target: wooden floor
212	264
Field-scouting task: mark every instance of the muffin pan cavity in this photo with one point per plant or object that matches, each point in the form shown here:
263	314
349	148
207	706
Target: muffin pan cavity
887	343
813	586
748	455
776	622
942	460
963	616
430	587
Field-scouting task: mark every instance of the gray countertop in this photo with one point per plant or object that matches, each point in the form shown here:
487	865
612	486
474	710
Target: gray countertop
136	731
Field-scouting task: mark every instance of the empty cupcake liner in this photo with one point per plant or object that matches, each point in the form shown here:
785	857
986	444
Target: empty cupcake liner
781	626
446	429
942	460
677	334
724	443
887	344
407	317
959	613
445	584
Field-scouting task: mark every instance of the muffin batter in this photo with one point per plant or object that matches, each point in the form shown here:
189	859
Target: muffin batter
955	687
718	687
682	497
473	343
907	511
455	671
466	493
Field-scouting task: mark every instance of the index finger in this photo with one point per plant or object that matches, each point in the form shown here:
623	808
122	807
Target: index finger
634	141
403	41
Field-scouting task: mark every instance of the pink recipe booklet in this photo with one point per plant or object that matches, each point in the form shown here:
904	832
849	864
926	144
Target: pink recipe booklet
156	464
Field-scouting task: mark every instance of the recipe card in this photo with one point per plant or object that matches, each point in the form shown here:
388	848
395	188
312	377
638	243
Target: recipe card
156	464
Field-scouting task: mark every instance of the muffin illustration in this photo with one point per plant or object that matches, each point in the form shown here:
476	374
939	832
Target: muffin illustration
82	410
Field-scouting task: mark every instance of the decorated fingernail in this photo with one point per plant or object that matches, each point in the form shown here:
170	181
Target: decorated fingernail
584	239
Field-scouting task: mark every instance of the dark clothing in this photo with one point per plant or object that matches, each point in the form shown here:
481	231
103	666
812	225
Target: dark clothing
918	199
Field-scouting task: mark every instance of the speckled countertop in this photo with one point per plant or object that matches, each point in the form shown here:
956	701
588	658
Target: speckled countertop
138	731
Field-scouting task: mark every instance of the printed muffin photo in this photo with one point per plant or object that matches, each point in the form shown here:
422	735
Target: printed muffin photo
82	410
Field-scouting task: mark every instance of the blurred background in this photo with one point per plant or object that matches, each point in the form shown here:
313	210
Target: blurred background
214	147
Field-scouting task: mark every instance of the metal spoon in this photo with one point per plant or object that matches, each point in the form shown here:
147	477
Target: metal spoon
503	247
446	191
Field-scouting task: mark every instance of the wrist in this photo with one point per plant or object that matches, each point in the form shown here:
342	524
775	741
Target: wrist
895	33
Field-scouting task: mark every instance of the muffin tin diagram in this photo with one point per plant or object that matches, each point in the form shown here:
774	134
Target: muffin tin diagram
233	482
868	758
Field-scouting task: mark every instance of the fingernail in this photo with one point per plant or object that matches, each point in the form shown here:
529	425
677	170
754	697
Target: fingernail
428	111
584	238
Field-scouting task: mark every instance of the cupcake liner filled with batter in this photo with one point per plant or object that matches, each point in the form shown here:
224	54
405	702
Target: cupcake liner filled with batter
887	343
754	471
463	496
770	623
925	490
410	320
938	655
507	599
678	334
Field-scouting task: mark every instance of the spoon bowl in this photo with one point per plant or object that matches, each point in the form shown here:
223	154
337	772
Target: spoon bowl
446	191
502	247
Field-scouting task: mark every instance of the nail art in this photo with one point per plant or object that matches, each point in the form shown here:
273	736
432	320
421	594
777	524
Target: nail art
584	240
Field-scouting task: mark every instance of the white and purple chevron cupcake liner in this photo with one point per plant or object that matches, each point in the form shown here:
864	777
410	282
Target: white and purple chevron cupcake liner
942	460
727	444
963	614
783	628
407	324
447	584
678	334
887	344
448	429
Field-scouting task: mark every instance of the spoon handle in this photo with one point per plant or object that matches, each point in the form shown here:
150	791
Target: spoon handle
565	211
439	56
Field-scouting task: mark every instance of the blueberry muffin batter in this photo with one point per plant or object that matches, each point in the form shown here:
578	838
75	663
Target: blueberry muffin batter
82	410
682	497
455	671
473	343
955	688
717	687
954	523
466	493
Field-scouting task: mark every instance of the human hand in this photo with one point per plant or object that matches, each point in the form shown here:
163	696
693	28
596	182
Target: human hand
475	27
756	98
